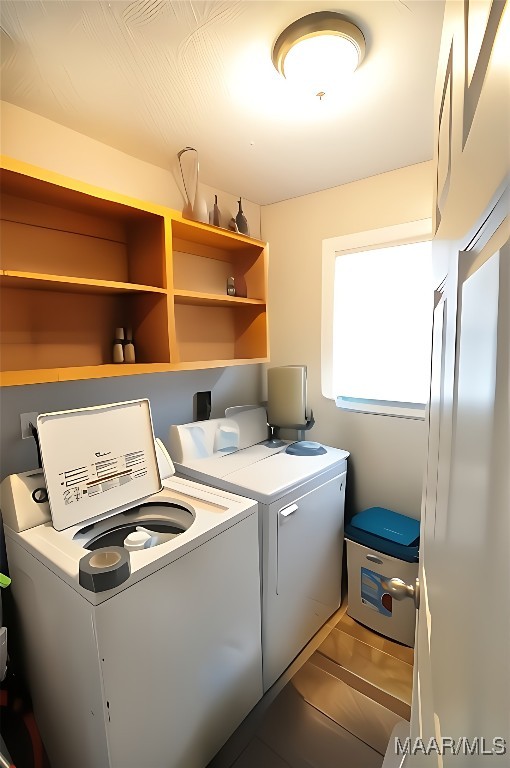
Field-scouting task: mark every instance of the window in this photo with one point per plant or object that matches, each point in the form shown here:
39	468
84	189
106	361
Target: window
377	317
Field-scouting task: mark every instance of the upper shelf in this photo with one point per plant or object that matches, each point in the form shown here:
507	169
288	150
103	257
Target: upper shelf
214	237
49	188
40	281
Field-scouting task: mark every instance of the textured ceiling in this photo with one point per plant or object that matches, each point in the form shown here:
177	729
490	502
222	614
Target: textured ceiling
151	76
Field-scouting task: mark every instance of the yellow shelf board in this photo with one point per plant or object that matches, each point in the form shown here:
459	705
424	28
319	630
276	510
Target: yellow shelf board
18	378
69	186
75	373
203	364
48	375
208	234
198	298
40	281
110	369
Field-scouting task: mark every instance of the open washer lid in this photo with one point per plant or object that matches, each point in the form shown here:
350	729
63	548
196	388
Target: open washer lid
97	459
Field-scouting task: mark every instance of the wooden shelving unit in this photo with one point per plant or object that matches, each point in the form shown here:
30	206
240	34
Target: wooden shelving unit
77	262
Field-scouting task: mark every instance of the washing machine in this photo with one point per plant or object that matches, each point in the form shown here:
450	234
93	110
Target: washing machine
300	490
138	598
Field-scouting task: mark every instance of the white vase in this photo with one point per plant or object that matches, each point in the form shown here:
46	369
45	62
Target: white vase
188	165
200	212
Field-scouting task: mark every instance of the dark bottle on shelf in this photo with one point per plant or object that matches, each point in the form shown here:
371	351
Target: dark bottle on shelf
216	214
241	221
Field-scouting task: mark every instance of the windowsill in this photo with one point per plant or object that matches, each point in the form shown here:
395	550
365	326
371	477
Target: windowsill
382	407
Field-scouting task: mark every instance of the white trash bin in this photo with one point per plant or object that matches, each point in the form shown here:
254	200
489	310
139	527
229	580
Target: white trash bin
382	545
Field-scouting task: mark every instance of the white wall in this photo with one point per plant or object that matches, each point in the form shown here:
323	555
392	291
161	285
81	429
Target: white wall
387	454
35	140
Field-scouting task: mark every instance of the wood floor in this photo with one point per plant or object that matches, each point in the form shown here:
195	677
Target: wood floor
336	705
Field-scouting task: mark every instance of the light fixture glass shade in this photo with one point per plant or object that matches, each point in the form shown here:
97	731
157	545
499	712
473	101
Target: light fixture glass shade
318	64
319	50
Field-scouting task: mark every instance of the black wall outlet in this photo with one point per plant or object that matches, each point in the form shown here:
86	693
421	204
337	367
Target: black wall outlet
201	406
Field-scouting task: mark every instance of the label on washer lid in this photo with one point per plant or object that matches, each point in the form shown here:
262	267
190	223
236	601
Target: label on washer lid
97	459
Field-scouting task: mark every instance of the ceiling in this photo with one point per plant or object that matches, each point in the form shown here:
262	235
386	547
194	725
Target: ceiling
150	77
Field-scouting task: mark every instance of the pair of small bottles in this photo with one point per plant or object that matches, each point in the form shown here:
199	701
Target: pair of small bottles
237	224
123	347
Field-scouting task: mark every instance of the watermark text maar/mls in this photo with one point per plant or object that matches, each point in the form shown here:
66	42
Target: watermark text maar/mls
478	745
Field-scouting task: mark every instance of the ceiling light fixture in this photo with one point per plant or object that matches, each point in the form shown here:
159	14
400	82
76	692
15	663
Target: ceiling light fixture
318	51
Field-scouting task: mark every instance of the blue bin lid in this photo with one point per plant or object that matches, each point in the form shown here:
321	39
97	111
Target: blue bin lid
388	525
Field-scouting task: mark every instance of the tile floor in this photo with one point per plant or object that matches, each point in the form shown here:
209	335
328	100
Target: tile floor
335	706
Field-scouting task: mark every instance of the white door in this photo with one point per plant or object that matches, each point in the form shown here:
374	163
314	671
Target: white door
462	675
461	696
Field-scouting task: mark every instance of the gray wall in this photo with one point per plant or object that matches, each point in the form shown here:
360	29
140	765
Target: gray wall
170	395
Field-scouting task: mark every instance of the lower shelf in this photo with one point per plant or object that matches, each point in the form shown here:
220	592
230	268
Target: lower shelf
54	330
220	333
48	375
49	336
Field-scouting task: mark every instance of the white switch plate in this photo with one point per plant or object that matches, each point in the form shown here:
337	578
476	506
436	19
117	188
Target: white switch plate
27	419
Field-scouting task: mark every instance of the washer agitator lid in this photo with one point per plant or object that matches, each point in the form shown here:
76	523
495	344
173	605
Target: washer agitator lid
96	460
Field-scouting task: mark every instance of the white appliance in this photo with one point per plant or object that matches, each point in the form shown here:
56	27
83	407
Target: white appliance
301	510
159	669
369	601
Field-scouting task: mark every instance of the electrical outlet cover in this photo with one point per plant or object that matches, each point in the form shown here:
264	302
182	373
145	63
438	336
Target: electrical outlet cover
26	419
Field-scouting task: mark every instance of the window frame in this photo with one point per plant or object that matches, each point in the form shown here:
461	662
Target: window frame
355	242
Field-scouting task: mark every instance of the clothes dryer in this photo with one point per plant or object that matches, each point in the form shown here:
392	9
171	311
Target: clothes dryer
301	497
